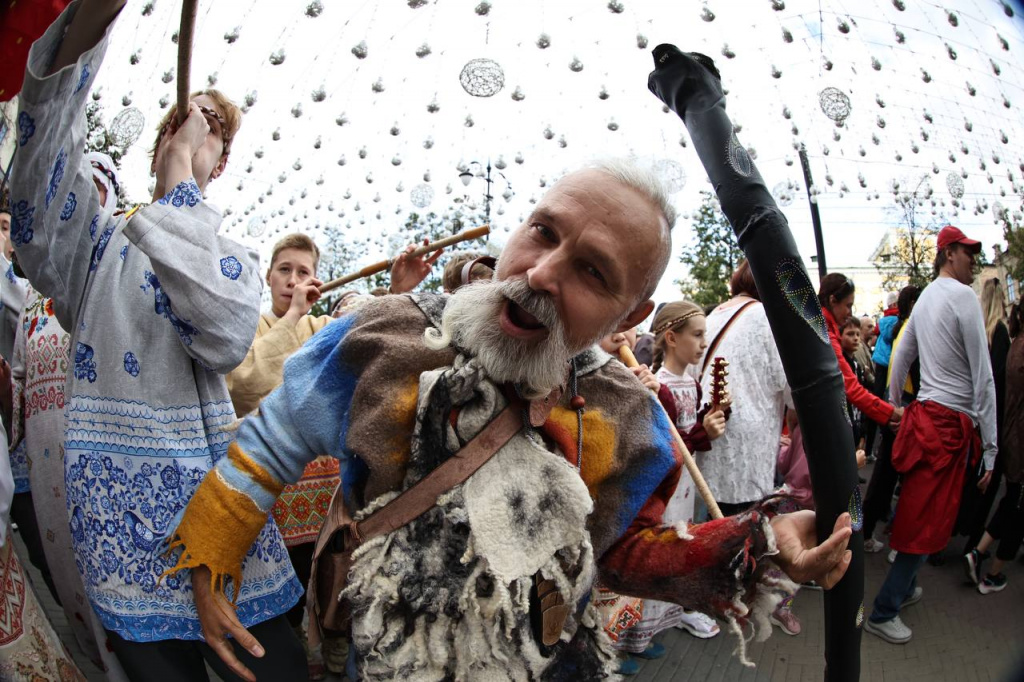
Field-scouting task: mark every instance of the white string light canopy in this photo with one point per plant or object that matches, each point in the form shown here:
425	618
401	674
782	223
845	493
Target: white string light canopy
351	102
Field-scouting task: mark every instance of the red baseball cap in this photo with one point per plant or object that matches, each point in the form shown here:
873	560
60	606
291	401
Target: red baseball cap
952	235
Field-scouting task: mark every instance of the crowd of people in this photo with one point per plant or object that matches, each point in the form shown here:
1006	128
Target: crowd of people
182	467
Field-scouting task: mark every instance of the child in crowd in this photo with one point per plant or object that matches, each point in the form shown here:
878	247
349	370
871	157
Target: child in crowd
850	341
679	342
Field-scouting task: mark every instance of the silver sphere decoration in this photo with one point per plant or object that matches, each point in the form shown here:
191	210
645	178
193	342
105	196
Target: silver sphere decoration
421	195
257	226
314	9
785	192
277	57
671	174
954	184
835	104
126	127
482	77
360	50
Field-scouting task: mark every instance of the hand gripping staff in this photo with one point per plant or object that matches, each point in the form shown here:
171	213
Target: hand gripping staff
691	86
186	31
629	360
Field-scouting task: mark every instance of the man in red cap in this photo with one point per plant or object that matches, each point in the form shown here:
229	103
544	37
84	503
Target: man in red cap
943	429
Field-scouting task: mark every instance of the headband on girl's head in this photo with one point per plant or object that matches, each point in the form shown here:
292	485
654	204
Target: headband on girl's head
671	323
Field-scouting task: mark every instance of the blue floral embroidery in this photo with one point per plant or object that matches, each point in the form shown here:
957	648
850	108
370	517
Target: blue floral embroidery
56	175
83	78
93	226
124	251
85	366
101	246
163	307
27	128
131	364
21	223
187	193
10	274
230	267
69	207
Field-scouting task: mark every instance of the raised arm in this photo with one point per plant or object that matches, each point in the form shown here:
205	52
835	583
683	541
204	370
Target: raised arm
56	216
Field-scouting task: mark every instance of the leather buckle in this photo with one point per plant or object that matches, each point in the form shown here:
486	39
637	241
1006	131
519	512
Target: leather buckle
540	409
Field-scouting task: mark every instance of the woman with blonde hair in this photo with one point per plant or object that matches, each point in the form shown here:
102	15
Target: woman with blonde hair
975	505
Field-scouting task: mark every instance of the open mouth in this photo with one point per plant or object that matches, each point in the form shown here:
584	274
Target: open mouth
517	322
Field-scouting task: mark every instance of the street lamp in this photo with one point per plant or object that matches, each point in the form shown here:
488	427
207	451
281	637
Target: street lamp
467	177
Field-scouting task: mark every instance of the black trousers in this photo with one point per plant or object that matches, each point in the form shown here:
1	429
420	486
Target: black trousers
23	513
175	660
734	508
870	425
1007	524
302	561
878	498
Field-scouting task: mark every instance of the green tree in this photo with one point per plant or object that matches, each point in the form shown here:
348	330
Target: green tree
1013	233
712	255
339	257
910	255
433	227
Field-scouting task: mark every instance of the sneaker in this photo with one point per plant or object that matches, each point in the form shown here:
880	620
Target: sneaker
972	564
628	667
873	546
892	631
892	556
699	625
914	597
787	621
652	652
992	583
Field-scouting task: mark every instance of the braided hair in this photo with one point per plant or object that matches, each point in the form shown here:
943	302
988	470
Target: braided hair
671	317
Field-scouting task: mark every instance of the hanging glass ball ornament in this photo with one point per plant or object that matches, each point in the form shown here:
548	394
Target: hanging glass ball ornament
257	226
671	173
955	185
126	127
421	196
482	77
835	104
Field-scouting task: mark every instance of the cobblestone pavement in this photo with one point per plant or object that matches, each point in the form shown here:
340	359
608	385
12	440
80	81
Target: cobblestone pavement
958	635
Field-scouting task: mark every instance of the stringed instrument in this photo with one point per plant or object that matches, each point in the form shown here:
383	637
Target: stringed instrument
719	383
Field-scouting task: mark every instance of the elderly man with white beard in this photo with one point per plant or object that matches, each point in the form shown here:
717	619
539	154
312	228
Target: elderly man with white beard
396	388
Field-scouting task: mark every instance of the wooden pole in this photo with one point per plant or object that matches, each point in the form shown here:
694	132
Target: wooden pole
629	360
383	265
185	34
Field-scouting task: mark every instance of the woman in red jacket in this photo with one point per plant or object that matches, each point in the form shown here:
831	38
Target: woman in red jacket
836	297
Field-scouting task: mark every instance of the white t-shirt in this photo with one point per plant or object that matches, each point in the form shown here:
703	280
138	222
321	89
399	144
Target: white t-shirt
947	333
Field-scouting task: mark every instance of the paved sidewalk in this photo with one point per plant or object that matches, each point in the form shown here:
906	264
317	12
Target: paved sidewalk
958	635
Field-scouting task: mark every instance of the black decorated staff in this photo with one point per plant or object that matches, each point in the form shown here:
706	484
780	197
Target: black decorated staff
690	84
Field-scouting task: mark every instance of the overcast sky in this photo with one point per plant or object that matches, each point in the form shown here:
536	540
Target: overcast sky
313	175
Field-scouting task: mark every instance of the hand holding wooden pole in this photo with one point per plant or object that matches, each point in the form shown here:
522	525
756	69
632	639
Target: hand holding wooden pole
383	265
185	34
628	359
